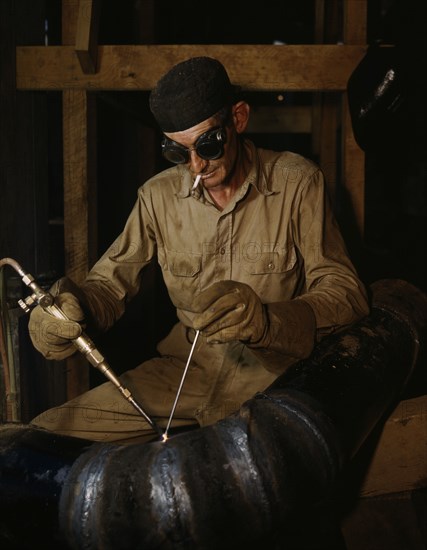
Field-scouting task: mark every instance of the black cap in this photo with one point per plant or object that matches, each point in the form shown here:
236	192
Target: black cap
189	93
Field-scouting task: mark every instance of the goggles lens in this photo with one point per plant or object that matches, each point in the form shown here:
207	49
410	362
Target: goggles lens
209	146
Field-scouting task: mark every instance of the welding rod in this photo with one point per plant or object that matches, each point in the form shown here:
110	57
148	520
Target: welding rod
178	393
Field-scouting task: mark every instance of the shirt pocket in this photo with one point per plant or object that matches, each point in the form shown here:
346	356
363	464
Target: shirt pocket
272	262
273	275
181	272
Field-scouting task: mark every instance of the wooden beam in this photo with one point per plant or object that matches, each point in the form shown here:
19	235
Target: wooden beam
254	67
87	35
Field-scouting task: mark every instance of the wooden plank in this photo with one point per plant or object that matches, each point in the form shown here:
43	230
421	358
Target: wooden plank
254	67
399	462
87	35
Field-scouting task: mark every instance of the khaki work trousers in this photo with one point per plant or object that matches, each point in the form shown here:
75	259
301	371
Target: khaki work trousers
220	378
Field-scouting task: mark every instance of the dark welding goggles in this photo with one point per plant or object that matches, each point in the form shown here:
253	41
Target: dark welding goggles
209	146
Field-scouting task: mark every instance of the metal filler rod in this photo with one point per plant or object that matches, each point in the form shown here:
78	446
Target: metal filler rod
178	393
184	374
83	343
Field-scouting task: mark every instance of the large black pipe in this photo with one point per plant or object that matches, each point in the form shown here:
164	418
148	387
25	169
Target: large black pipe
240	483
34	466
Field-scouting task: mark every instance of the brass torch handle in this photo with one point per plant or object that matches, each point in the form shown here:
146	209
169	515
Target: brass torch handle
83	343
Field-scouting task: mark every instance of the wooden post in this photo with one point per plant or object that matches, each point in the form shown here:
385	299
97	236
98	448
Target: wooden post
87	35
353	158
325	104
79	151
79	183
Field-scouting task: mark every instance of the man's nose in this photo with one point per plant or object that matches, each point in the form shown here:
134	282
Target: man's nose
197	164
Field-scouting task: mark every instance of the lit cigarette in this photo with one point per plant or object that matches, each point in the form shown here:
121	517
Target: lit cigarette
196	182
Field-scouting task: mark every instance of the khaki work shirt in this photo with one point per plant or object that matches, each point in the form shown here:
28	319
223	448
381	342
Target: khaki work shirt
277	235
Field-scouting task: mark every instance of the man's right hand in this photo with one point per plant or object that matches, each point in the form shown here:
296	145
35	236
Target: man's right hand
53	337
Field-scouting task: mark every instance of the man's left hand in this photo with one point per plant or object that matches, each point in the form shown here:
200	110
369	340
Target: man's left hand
229	310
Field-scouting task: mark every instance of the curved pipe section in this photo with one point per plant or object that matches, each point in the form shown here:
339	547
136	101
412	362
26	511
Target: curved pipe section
242	480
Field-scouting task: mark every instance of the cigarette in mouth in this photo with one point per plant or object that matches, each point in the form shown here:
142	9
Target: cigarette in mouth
196	182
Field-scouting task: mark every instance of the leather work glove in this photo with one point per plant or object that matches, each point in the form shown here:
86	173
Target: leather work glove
279	333
229	310
53	337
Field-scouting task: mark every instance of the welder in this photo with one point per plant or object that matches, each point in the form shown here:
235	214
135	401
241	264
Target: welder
250	253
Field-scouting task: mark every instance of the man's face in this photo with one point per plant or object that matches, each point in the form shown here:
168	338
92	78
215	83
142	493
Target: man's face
215	172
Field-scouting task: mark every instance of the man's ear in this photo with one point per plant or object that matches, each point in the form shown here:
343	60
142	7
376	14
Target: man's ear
241	112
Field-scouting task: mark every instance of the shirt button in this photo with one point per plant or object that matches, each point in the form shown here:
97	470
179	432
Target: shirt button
222	251
271	265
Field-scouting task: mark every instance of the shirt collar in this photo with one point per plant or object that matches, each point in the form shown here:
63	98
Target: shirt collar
186	182
257	176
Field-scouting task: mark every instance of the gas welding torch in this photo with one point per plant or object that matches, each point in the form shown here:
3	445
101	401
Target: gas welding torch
83	343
